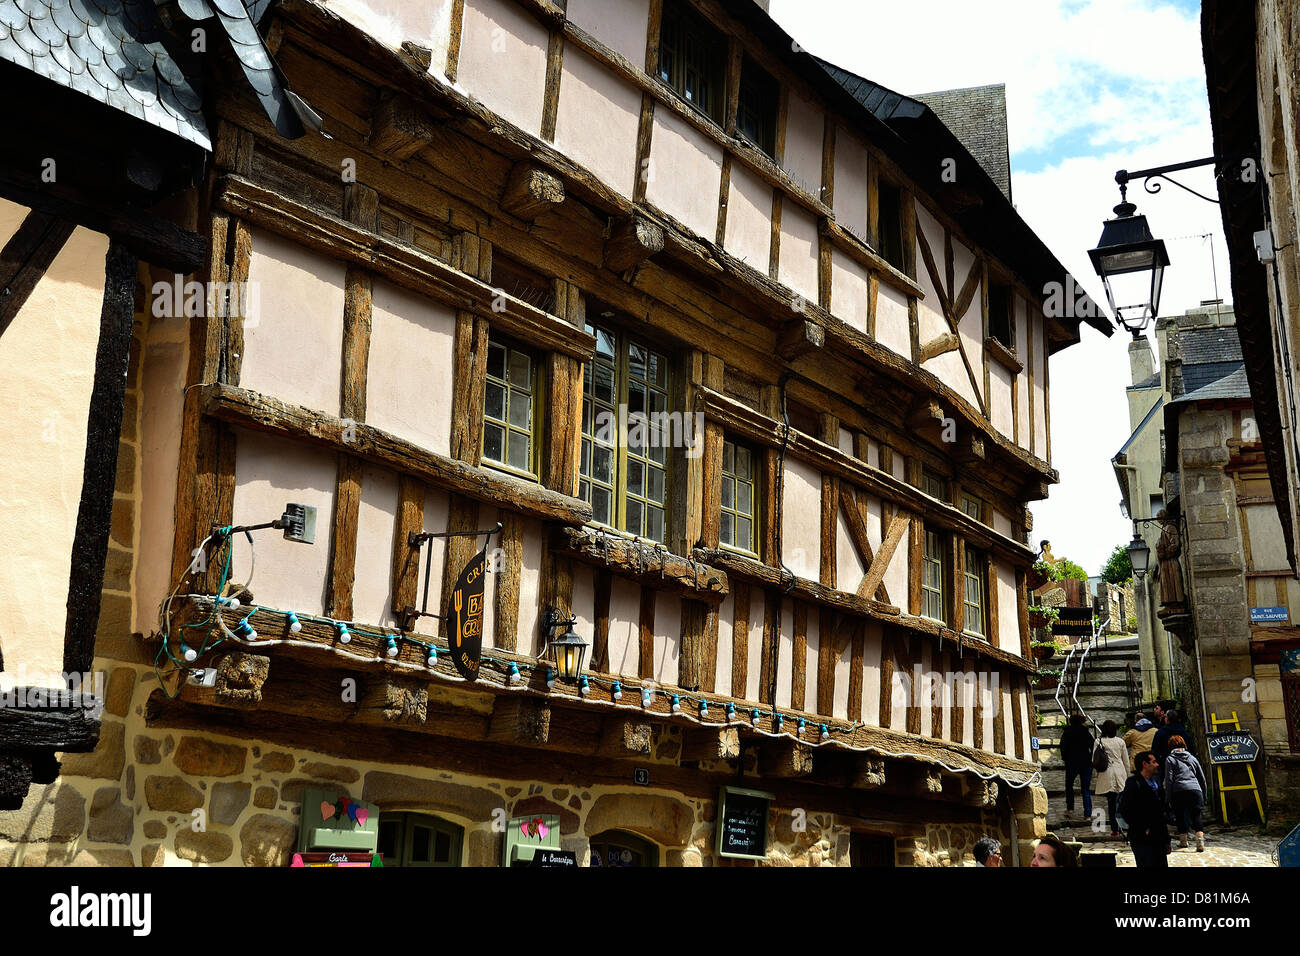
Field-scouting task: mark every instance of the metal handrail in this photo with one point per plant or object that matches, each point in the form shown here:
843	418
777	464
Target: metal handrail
1078	674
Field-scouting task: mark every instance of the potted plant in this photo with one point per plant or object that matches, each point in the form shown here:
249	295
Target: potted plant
1042	650
1040	616
1040	573
1049	677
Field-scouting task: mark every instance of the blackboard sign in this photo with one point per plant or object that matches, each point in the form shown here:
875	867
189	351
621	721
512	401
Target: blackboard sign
742	823
555	858
1232	746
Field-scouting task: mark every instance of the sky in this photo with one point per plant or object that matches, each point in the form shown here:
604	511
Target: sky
1093	86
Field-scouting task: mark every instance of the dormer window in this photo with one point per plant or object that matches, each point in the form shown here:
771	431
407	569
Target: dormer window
757	108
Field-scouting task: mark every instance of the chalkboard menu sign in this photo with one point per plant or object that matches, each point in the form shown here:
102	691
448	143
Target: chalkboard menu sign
1232	746
742	823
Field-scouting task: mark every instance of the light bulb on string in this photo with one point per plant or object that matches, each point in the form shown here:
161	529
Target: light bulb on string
675	704
231	603
731	710
550	677
825	732
188	653
583	687
433	656
754	717
800	726
392	646
295	625
704	709
245	630
513	673
616	691
345	636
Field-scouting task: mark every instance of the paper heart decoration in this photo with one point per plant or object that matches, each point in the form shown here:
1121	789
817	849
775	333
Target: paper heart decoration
542	828
326	810
352	812
297	860
362	816
526	827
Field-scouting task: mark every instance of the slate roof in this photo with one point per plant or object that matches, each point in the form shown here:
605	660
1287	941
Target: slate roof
1232	385
113	51
1209	355
977	115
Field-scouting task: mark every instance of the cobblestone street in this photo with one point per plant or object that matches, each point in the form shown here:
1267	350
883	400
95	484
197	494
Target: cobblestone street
1231	847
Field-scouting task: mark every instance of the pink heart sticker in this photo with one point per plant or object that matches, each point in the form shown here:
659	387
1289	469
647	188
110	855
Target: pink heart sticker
524	828
297	860
542	830
362	816
326	809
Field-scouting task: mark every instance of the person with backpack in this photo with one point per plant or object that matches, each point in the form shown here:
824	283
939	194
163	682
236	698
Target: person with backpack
1110	760
1076	752
1186	790
1143	808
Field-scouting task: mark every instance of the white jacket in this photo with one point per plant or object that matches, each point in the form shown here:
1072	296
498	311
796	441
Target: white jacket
1112	779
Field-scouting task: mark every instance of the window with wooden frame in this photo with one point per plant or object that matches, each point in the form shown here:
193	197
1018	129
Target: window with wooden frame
934	577
936	486
510	403
889	224
623	468
972	506
975	618
415	839
739	525
523	283
693	58
1002	322
757	106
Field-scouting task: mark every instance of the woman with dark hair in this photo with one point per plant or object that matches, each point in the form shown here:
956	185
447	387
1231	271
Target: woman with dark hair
1052	852
1186	789
1111	780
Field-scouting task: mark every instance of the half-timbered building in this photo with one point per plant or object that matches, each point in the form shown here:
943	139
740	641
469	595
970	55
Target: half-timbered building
744	355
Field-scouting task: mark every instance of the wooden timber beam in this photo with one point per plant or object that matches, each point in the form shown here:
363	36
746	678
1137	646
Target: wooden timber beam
876	573
868	772
25	257
799	338
643	562
149	237
947	342
400	127
857	529
625	737
711	743
632	240
531	191
520	720
969	449
251	409
785	758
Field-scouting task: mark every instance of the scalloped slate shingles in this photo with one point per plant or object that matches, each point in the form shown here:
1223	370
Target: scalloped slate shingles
110	50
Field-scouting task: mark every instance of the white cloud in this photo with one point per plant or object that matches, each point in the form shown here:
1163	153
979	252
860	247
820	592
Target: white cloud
1123	78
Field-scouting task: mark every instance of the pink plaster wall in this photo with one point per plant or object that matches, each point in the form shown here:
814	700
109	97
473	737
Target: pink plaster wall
685	174
584	603
1007	717
410	369
801	510
871	674
893	326
621	25
970	326
849	570
624	626
948	367
437	508
991	702
269	472
1000	384
848	291
785	656
293	333
1040	393
843	668
899	690
528	636
1024	432
924	687
503	60
749	218
1001	523
667	636
163	383
754	662
844	441
426	22
1026	745
797	266
805	127
372	587
726	627
850	183
1008	637
596	122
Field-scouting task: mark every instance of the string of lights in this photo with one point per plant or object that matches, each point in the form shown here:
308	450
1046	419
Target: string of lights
684	706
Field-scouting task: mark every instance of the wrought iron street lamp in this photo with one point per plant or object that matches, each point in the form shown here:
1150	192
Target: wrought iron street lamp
566	652
1131	263
1139	556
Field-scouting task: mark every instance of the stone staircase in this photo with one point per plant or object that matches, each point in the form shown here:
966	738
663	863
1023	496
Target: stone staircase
1103	695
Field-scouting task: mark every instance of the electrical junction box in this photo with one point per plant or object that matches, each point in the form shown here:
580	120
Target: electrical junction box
1264	245
334	822
526	835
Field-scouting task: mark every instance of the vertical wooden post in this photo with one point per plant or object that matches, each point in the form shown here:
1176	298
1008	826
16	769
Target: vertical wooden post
506	618
739	638
646	633
406	559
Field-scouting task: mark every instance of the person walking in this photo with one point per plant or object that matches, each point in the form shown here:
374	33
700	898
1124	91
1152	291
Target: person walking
1076	752
1139	738
1173	727
1186	789
1142	807
1111	780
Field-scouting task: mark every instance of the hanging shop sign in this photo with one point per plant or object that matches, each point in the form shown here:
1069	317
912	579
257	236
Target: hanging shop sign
1232	746
555	858
742	823
465	617
337	858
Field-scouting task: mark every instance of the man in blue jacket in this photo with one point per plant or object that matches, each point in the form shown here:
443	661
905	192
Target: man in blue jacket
1142	806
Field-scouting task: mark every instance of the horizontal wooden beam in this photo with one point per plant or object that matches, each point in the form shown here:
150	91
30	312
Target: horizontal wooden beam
632	240
643	561
153	239
799	338
858	250
531	191
403	264
735	416
739	566
241	406
400	127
